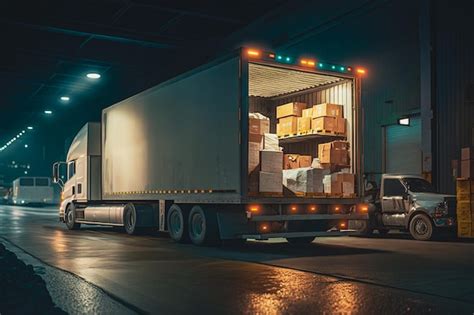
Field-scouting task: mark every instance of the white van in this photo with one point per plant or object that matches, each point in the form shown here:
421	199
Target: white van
32	190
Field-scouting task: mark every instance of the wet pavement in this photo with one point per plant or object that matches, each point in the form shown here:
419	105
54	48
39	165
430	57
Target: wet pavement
151	274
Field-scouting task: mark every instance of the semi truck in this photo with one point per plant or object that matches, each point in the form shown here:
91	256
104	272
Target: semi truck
32	191
409	203
175	157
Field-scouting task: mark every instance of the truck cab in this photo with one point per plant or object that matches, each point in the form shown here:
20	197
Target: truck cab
409	202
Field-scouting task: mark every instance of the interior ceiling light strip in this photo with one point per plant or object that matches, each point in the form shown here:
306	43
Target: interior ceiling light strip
267	81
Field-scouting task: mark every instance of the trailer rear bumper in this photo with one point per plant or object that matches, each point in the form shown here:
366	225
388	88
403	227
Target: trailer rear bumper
265	236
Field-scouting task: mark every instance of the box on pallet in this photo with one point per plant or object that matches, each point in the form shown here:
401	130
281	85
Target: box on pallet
304	124
308	112
329	124
291	161
339	183
258	124
465	229
270	182
304	180
271	161
327	109
335	153
290	109
287	126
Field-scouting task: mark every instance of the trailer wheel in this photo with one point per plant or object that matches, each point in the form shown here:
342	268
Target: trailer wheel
300	240
177	222
421	227
130	219
203	228
70	217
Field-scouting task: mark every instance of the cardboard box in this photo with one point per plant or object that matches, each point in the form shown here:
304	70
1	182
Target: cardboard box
330	154
287	126
340	125
464	186
292	161
331	186
467	169
254	157
271	161
464	229
304	124
256	138
327	109
467	153
258	124
327	124
304	180
290	109
308	112
270	142
271	182
463	211
316	163
339	183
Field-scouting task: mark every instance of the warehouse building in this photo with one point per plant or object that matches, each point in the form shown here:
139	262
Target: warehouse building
418	94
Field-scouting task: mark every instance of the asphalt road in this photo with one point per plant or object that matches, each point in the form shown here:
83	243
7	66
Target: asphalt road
342	275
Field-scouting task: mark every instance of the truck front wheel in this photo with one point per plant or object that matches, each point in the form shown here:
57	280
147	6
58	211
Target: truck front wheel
421	227
203	228
70	218
177	222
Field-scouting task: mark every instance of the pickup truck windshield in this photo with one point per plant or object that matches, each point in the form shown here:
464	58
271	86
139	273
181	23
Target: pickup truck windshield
418	185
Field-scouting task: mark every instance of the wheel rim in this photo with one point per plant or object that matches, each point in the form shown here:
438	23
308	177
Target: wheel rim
197	225
69	217
175	223
421	228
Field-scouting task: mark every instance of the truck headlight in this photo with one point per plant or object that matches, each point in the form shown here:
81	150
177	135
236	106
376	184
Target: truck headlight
441	210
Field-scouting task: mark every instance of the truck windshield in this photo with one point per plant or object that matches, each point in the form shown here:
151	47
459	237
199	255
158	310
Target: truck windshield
418	185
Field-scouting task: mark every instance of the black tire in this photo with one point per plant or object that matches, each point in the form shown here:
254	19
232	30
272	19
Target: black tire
300	240
421	228
177	223
130	219
202	224
70	217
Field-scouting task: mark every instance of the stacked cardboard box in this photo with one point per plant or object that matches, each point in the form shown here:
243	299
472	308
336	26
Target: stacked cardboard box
292	161
259	125
271	173
304	180
328	117
465	207
339	184
467	163
334	155
287	116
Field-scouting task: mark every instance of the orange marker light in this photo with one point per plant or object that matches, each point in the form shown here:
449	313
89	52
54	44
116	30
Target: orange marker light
342	225
253	208
311	63
360	71
293	208
271	56
305	62
336	209
253	53
312	208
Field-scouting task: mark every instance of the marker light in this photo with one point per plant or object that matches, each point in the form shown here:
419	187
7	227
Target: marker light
65	98
48	112
342	225
333	67
349	69
30	128
293	208
342	68
360	71
321	65
271	56
253	53
305	62
288	59
312	208
279	57
253	208
93	76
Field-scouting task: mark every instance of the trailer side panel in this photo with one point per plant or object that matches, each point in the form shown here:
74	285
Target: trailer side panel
178	140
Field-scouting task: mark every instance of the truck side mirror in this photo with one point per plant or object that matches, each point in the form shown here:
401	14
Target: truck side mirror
56	176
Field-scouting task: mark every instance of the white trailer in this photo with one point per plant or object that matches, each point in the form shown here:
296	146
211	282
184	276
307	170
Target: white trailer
175	157
32	190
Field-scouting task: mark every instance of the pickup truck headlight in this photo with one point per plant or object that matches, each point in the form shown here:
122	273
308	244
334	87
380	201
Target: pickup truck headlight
441	210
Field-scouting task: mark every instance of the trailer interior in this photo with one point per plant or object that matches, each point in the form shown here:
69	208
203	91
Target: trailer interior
273	85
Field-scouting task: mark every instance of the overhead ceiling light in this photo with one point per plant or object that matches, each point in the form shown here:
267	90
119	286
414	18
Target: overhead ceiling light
48	112
30	128
405	121
65	98
26	146
93	75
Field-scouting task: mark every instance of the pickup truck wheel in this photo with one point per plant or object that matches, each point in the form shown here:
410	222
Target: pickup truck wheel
203	228
130	219
177	222
300	240
70	217
421	227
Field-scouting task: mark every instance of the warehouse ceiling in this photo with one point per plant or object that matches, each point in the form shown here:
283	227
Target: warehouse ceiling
48	47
